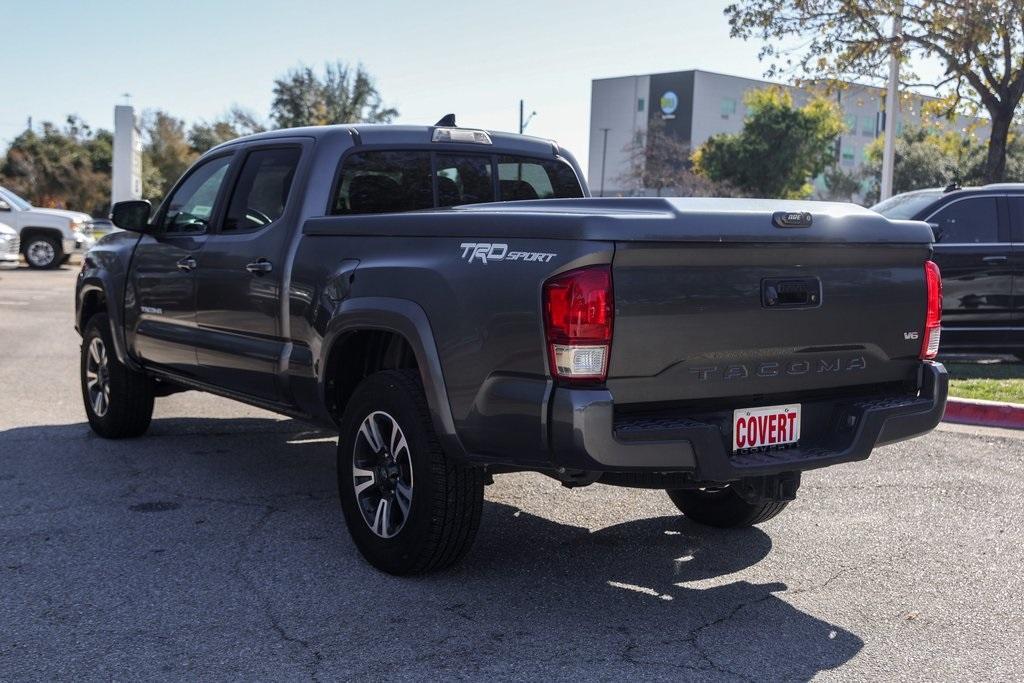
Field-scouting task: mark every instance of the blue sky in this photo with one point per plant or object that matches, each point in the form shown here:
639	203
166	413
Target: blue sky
195	59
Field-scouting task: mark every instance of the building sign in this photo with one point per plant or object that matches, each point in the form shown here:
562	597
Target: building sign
669	103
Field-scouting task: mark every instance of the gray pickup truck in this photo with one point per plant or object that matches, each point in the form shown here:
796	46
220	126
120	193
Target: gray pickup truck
456	306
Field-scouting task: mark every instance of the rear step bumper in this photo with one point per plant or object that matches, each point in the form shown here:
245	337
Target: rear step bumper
587	435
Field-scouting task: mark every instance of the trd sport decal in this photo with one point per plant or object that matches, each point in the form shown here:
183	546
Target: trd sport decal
487	251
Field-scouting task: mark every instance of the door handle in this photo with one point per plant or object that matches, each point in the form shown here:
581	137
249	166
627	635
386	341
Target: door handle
260	267
187	264
994	259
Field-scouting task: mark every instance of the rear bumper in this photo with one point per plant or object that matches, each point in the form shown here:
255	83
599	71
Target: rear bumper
586	434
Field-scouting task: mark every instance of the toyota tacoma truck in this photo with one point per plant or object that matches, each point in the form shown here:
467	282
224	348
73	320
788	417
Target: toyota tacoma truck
455	305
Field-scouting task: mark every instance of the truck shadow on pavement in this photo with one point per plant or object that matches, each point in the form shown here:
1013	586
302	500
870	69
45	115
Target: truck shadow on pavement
215	547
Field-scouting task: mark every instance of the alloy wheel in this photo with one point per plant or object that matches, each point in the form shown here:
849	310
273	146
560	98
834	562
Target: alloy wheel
97	377
40	253
382	474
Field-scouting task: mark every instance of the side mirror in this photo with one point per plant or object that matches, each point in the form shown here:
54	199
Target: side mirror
937	231
4	206
132	215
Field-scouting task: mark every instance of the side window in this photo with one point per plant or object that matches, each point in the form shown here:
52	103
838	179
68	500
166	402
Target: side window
968	221
464	179
1017	217
190	207
262	189
524	178
380	182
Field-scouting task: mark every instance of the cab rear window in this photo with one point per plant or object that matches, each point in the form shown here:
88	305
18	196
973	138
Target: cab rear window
389	181
385	181
524	178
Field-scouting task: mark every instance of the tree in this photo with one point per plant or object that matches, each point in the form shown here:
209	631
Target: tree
166	153
840	186
660	161
342	95
980	44
927	157
780	149
62	167
236	123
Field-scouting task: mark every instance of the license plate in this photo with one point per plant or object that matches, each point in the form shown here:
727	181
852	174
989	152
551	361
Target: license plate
767	426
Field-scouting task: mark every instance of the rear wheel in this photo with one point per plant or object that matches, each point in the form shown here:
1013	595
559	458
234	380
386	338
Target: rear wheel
43	252
410	508
723	507
118	400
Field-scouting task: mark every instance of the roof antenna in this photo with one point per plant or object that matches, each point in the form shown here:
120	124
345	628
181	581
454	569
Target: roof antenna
448	121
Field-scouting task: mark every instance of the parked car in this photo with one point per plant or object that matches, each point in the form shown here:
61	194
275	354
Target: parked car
49	237
979	247
9	246
456	306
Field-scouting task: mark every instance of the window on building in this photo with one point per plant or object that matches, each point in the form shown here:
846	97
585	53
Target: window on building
867	125
262	189
379	182
848	158
851	123
968	221
640	104
728	107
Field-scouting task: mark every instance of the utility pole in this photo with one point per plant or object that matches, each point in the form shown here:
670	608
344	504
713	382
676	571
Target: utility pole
524	121
891	107
604	155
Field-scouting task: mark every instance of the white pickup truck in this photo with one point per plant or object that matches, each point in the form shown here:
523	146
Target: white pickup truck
48	236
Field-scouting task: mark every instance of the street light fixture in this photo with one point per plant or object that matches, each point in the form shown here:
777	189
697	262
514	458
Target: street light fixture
524	122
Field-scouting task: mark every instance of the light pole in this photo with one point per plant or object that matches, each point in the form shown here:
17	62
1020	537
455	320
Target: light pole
604	155
891	106
524	122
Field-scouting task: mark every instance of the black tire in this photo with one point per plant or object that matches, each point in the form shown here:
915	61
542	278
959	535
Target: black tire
42	252
723	508
438	525
127	407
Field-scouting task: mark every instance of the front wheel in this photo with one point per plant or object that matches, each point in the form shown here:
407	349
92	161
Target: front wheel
43	252
723	507
410	508
118	400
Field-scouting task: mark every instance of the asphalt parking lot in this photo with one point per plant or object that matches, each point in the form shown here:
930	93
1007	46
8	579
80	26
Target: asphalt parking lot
214	548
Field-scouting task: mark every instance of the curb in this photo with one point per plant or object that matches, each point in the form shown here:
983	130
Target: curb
984	413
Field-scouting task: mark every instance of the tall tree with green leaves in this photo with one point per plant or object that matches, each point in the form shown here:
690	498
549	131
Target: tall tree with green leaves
61	166
781	148
166	153
236	123
343	94
930	157
979	43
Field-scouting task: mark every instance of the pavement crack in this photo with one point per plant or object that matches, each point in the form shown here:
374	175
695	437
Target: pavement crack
694	635
313	657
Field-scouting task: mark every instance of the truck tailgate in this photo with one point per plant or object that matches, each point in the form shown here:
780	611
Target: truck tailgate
706	320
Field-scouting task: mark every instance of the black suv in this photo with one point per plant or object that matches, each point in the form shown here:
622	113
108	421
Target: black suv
979	247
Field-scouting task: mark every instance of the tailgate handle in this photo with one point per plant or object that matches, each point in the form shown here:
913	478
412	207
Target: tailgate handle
790	292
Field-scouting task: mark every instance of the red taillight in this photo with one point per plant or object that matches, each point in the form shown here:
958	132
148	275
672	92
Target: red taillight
933	316
578	313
